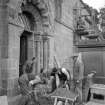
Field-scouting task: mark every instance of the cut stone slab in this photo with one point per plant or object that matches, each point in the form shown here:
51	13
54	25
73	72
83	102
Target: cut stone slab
3	100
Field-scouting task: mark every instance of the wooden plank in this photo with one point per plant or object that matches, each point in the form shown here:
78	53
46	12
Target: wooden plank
55	101
66	101
71	99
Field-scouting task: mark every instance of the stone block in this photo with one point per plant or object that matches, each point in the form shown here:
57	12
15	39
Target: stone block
3	100
14	36
13	92
13	63
13	73
3	91
4	74
4	51
12	83
14	41
63	42
4	83
3	63
13	87
14	52
9	68
14	100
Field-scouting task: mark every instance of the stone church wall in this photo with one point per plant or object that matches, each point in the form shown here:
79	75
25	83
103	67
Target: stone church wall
59	29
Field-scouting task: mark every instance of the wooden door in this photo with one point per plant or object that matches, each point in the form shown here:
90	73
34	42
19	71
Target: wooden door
94	61
23	51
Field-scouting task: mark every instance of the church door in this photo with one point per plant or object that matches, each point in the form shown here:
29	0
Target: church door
23	51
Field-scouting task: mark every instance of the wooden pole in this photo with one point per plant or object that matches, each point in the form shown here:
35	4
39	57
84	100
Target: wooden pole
55	101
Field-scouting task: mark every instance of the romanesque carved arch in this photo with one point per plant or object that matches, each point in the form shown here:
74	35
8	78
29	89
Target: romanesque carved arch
36	14
43	9
41	6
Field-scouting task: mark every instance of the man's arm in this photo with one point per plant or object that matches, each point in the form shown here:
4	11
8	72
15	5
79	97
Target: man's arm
35	81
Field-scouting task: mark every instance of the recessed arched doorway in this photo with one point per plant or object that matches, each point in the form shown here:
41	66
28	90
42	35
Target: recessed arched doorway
26	39
23	50
32	43
19	33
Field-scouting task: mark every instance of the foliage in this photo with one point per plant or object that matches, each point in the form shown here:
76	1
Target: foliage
102	13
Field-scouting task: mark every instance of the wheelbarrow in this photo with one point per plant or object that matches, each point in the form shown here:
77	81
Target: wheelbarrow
64	95
97	95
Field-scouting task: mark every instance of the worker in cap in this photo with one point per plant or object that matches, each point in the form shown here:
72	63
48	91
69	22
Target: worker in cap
64	76
25	88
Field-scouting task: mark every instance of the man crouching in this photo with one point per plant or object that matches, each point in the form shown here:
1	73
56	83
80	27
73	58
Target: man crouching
25	88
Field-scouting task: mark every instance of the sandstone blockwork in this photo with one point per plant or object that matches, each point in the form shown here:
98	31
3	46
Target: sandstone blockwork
30	28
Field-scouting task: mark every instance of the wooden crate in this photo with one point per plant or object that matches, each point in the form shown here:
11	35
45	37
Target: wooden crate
98	94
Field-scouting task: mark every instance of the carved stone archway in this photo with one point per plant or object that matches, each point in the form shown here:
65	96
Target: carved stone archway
36	15
15	6
39	10
11	30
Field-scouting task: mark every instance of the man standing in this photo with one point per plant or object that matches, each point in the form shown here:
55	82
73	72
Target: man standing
25	88
78	74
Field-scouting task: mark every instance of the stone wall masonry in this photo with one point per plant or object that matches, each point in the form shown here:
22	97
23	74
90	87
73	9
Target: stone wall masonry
62	34
60	44
63	41
67	12
3	47
4	77
13	59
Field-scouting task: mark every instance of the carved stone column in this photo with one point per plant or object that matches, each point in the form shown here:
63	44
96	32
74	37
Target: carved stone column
45	53
9	52
37	48
41	54
38	56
